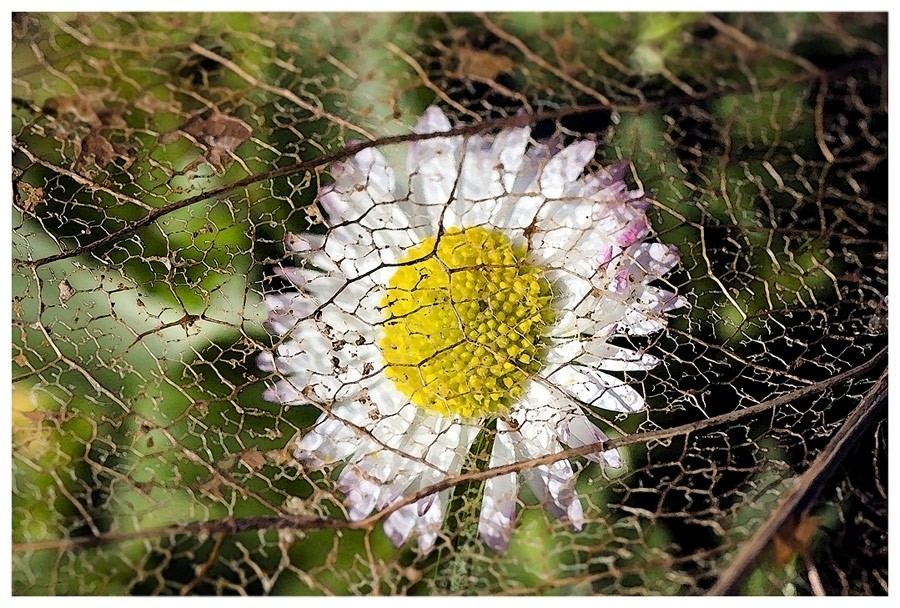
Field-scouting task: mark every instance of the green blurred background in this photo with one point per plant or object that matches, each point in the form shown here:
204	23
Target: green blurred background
138	422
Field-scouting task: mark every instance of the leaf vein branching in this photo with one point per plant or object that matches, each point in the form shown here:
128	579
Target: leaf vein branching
235	526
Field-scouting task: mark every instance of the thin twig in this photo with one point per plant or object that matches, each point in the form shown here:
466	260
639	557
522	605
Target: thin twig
487	125
234	526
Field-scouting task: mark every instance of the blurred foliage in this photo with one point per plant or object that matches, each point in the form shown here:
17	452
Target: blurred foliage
145	460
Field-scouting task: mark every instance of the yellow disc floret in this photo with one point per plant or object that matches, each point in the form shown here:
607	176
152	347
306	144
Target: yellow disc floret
465	319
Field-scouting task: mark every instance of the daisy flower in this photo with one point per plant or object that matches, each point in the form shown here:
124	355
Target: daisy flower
473	294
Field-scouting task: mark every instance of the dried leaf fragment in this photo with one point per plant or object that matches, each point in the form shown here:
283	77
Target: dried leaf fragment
219	134
96	147
474	63
253	459
79	106
29	196
91	107
794	537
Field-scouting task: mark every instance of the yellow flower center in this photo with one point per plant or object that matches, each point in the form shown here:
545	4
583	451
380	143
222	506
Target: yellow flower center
465	320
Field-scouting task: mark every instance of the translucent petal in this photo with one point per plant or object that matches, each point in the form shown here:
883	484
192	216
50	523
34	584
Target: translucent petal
577	431
597	389
433	168
400	524
498	507
429	523
588	234
565	167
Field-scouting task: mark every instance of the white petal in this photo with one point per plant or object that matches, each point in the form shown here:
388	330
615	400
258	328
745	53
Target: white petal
389	401
491	163
509	149
329	357
363	192
576	431
603	355
320	287
532	164
395	489
332	439
519	210
286	310
353	250
601	315
587	318
554	485
370	169
646	313
452	446
305	242
597	389
393	242
537	414
433	168
393	431
433	120
476	181
437	437
498	508
400	524
599	354
637	323
565	167
431	521
317	450
443	443
516	213
656	259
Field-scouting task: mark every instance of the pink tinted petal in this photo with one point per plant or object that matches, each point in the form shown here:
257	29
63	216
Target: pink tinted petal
399	524
620	284
635	231
497	520
616	171
605	256
656	259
